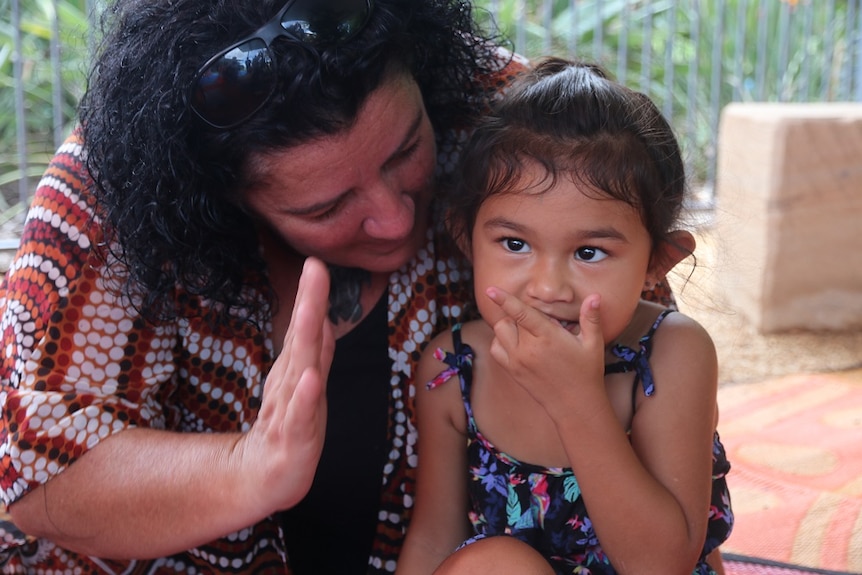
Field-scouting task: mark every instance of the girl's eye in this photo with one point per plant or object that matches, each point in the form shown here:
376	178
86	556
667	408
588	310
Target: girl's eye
515	245
590	254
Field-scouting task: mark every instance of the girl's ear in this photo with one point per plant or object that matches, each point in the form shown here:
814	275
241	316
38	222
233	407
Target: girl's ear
676	247
456	226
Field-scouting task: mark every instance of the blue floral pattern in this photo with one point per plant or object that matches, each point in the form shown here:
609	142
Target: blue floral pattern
543	506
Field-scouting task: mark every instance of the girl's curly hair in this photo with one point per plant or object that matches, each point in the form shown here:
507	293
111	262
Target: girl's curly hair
168	187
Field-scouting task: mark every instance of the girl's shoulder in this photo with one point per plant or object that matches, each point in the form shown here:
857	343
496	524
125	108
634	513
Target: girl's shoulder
655	321
682	368
476	333
682	332
671	341
450	349
680	350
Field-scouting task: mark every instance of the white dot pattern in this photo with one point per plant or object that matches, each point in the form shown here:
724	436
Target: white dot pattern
79	365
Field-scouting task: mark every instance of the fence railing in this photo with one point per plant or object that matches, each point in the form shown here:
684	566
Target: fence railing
691	56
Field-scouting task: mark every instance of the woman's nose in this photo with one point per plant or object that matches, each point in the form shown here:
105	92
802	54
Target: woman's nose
391	213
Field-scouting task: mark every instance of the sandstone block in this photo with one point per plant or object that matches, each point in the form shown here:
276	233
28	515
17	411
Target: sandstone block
789	214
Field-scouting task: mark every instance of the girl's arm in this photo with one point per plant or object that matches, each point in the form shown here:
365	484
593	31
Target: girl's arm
649	497
439	523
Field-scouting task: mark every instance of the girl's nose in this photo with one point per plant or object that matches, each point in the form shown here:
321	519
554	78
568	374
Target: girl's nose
551	281
390	213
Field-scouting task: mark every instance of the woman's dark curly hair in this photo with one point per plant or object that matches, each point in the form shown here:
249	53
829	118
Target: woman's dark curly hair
168	187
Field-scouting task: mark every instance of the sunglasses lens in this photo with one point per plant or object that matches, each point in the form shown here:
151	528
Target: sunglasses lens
235	85
329	22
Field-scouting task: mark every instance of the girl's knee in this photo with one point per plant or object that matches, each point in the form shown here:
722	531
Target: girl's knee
498	556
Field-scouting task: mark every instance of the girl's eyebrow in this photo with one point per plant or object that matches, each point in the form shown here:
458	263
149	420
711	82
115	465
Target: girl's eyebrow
604	233
600	233
503	222
324	205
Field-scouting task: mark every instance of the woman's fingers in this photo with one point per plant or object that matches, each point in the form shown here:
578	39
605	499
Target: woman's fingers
308	336
309	342
286	440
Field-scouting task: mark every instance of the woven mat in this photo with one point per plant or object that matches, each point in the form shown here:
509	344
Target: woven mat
740	565
795	446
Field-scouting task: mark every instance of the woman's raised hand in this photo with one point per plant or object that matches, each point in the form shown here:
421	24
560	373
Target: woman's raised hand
286	440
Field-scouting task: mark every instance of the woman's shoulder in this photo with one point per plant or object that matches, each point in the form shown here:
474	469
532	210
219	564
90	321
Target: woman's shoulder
511	66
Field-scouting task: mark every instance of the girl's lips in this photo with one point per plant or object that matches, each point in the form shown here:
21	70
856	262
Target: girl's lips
570	326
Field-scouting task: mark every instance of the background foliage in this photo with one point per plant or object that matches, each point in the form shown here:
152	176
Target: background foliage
690	56
39	74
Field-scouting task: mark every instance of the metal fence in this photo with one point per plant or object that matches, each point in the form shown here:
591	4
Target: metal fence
691	56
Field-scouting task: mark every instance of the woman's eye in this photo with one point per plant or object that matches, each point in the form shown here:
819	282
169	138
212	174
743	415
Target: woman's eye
515	245
330	212
410	150
326	215
590	254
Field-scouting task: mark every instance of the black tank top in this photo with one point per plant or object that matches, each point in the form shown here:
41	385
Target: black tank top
332	529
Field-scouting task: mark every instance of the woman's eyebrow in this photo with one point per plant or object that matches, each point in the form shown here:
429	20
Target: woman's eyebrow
321	206
408	135
314	208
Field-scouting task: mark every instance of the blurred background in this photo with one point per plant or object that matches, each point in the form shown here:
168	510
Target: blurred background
691	56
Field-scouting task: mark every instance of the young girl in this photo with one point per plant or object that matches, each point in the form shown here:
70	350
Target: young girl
574	424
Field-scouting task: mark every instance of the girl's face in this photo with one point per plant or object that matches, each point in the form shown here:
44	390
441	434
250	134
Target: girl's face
359	198
553	249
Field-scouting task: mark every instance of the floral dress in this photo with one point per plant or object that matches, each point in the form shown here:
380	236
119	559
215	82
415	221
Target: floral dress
543	506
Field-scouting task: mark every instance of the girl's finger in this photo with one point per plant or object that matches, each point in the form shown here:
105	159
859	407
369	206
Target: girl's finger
523	315
590	319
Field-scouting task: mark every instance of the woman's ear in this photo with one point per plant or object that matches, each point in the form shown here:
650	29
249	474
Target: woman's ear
676	247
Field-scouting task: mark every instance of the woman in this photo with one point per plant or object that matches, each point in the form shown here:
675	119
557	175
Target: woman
161	407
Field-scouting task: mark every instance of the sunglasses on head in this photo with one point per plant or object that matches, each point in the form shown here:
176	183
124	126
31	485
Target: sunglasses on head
237	82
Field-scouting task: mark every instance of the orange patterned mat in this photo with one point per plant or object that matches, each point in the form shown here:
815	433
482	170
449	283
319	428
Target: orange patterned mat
795	447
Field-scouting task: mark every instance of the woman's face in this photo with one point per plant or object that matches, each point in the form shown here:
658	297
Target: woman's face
359	198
